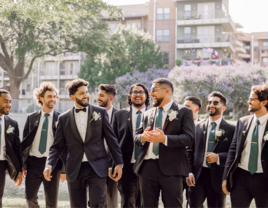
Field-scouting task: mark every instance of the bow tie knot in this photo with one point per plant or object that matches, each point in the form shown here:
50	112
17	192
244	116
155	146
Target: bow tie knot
82	109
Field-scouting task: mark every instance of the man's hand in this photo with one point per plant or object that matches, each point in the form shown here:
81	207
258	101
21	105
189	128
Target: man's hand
224	187
212	157
18	180
156	136
62	178
145	136
23	173
190	180
117	173
47	174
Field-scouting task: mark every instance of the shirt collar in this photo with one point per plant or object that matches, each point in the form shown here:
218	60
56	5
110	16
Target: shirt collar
261	119
51	113
2	117
135	110
84	107
196	120
167	106
218	122
110	110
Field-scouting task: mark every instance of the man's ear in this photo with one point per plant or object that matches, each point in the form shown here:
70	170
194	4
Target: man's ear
72	97
224	108
111	98
196	110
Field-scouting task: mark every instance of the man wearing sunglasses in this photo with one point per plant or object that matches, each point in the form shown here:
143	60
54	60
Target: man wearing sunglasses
165	132
207	156
246	169
125	122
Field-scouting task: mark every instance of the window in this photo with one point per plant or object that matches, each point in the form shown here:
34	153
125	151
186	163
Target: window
265	61
28	87
187	10
265	45
187	33
71	68
159	15
166	35
162	35
166	13
166	57
256	44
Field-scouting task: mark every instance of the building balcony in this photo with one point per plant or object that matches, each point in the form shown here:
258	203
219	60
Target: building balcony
239	43
212	41
240	49
264	52
246	56
195	18
49	77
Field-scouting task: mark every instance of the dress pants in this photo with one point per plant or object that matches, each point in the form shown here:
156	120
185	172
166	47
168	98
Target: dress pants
111	193
128	187
3	167
203	189
78	189
35	177
152	180
246	187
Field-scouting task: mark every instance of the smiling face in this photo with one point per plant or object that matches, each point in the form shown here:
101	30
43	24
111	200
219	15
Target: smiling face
138	96
5	103
215	107
254	103
158	94
103	98
50	99
81	97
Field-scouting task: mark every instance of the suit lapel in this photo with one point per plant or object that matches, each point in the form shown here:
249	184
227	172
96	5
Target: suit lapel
54	120
129	119
7	123
173	107
245	129
222	126
74	127
90	123
205	132
152	118
264	142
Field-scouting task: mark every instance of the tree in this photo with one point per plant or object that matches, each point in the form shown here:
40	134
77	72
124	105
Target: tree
234	82
36	28
124	82
129	49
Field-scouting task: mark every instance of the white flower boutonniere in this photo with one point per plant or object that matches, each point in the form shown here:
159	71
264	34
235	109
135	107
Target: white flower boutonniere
244	133
56	124
172	115
204	132
219	133
96	116
266	136
128	119
10	129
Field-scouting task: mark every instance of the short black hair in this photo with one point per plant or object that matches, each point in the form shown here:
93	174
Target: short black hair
219	95
195	100
75	84
3	91
262	92
147	101
165	81
109	89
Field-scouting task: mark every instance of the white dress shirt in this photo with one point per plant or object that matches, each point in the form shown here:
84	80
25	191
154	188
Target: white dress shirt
196	120
110	112
166	108
3	141
34	150
218	122
247	145
134	120
81	119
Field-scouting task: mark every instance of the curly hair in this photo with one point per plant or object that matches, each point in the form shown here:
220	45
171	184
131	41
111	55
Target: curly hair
40	92
147	101
262	92
73	85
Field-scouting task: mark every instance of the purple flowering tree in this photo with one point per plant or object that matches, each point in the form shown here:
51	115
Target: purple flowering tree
234	82
124	82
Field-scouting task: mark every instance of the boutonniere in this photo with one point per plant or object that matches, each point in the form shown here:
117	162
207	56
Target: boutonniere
204	132
244	133
96	116
56	124
128	119
172	114
219	133
10	129
266	136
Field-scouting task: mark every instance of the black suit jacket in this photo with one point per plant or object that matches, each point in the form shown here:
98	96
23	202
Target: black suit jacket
12	148
67	135
237	147
180	134
196	152
29	132
122	126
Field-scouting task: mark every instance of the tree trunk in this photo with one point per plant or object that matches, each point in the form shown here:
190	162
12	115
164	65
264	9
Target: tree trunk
14	88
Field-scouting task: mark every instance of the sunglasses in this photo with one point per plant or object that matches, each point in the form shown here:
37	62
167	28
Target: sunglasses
215	103
154	89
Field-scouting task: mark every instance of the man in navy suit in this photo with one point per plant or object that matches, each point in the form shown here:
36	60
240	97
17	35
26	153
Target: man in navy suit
82	130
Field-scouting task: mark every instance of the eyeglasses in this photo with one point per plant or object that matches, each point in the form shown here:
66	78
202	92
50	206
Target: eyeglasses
138	93
252	98
154	89
215	103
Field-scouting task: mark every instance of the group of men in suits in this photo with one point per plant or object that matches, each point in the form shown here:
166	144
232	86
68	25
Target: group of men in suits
137	151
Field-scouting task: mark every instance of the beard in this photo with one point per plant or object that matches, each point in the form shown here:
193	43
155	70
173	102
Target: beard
216	113
3	112
103	103
80	102
138	104
158	102
253	109
50	105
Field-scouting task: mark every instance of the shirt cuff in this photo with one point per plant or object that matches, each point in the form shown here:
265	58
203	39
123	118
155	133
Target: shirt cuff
190	174
49	167
218	162
166	143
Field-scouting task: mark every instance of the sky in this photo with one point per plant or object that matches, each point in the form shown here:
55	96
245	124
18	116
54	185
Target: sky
251	14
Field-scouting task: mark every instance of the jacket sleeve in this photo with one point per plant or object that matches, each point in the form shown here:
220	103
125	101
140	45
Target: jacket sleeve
16	146
26	129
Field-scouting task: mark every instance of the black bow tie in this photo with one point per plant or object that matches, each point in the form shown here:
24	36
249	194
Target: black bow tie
82	109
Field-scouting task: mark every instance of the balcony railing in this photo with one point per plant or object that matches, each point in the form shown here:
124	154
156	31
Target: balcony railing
196	15
205	39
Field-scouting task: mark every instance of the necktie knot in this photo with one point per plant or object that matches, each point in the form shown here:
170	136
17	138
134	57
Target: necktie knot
139	112
258	122
161	108
46	115
82	109
213	124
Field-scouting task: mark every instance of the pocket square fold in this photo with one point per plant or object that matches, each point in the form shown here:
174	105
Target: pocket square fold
226	139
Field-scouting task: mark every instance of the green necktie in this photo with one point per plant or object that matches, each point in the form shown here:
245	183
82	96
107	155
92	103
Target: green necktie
253	158
138	123
43	139
211	140
158	125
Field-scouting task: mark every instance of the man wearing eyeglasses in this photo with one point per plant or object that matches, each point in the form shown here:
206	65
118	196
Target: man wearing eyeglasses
207	156
246	168
165	132
125	122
